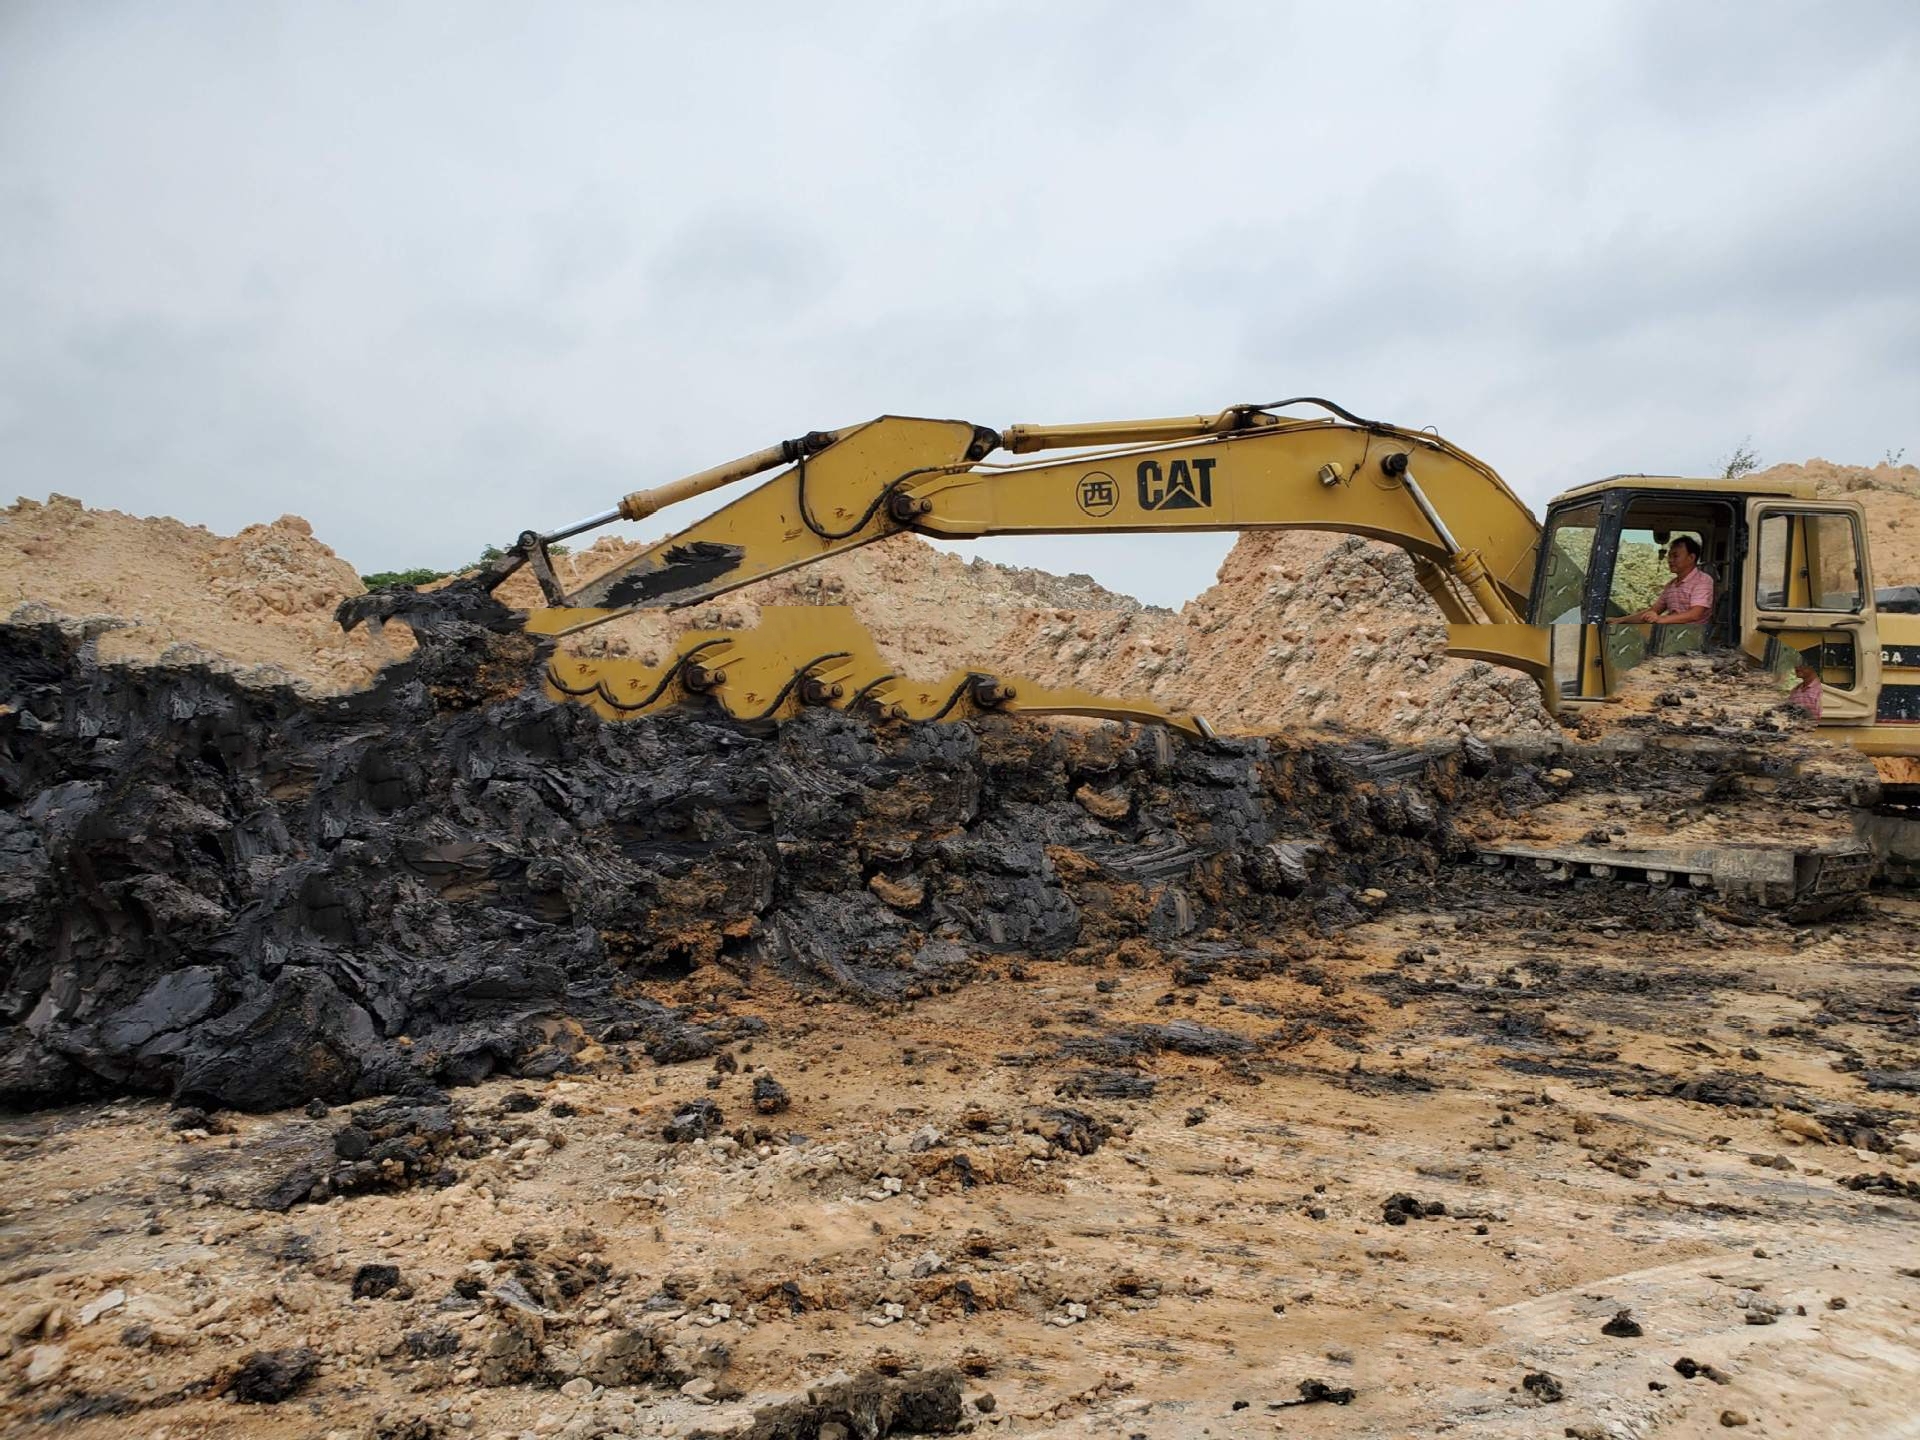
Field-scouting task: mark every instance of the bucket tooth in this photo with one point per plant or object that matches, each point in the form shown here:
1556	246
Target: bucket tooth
820	655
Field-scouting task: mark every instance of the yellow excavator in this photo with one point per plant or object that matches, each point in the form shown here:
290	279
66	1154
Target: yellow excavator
1793	576
1792	571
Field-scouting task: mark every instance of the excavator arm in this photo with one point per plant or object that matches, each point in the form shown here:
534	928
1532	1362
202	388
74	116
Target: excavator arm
1473	542
1245	468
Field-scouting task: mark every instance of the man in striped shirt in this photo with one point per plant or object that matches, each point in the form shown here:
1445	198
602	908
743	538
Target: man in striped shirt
1688	598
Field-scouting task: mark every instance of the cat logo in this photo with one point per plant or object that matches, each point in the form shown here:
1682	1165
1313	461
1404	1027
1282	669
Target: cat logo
1099	493
1185	486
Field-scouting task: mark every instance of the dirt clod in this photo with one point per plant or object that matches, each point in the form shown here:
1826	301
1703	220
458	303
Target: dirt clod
769	1095
1543	1387
268	1377
373	1280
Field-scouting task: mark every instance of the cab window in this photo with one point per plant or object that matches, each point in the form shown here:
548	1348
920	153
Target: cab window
1807	560
1569	553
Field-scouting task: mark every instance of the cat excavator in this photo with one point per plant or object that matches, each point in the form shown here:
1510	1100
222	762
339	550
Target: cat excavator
1793	575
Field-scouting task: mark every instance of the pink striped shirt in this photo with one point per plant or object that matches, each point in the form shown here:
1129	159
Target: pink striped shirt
1696	588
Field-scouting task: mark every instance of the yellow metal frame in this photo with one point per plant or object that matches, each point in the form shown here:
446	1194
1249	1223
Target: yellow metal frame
1238	470
805	656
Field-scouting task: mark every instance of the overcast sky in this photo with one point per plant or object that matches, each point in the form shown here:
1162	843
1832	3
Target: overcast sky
429	273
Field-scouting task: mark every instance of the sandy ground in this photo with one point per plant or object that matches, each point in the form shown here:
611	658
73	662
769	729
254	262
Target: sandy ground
1622	1103
261	601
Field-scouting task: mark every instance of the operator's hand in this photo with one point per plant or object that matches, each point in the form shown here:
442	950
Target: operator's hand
1639	617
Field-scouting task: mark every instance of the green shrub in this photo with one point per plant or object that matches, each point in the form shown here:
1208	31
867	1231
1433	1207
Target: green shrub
388	579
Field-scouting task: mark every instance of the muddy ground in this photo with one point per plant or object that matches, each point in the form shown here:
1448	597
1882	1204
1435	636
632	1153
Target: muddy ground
1609	1105
995	1078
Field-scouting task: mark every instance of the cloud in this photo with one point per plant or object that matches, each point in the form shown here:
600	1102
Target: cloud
430	274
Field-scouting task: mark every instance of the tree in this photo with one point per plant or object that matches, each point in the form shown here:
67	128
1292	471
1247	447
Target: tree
1742	461
387	579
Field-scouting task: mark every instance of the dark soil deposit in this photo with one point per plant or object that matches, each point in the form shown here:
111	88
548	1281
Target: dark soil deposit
248	898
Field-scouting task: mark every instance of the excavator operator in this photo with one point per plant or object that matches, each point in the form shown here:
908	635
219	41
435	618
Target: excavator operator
1688	597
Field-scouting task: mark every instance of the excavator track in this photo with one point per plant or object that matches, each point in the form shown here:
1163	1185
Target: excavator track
808	656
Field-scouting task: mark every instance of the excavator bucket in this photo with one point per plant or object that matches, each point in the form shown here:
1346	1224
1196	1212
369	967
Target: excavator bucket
815	655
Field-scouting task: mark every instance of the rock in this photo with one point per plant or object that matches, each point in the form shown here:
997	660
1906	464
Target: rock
103	1305
33	1318
1070	1130
578	1388
299	1039
508	1355
45	1363
695	1121
1623	1326
1319	1392
1399	1208
919	1402
513	1296
623	1357
769	1095
371	1281
1803	1126
905	896
1688	1368
1113	805
1543	1387
431	1344
268	1377
1734	1419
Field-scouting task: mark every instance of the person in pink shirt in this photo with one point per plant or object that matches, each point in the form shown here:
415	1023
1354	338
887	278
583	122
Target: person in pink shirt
1806	695
1688	598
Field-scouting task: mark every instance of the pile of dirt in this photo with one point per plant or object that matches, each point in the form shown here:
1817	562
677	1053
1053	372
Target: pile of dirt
259	603
1890	495
1299	631
245	896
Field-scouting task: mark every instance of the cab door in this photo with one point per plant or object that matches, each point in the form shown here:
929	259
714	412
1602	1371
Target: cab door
1808	598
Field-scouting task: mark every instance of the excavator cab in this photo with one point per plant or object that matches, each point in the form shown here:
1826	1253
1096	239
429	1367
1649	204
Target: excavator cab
1791	576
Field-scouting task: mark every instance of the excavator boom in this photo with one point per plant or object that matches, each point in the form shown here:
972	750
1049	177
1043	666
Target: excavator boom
1245	468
